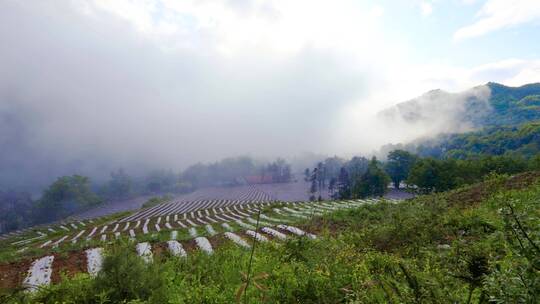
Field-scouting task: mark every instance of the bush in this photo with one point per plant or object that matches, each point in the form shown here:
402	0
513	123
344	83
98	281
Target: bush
426	250
156	201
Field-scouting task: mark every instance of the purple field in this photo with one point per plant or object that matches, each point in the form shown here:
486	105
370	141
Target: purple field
220	196
216	197
296	191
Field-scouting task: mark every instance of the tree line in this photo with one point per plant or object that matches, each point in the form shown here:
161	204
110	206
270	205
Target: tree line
70	194
512	140
360	177
355	178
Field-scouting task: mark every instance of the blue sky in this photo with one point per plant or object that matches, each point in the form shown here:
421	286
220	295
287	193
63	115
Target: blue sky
434	33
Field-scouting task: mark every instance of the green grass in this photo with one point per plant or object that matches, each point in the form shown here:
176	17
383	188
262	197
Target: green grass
426	250
9	252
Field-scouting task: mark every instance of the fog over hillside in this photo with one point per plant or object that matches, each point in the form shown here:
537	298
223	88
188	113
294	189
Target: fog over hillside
438	111
90	86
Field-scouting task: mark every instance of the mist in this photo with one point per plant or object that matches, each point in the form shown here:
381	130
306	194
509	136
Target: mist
87	95
83	91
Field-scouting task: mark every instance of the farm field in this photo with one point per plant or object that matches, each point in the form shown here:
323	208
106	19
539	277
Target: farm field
37	258
287	192
430	249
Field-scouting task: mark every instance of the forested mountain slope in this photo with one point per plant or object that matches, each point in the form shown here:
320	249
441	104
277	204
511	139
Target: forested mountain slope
492	119
522	140
491	104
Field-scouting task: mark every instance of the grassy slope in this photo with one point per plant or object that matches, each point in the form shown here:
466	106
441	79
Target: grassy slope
10	253
461	246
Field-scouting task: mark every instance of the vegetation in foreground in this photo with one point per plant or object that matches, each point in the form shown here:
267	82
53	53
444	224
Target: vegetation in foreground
474	245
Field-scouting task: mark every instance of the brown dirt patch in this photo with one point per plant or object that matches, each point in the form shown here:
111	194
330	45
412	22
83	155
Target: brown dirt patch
523	180
190	246
12	274
218	241
160	250
320	226
481	191
75	262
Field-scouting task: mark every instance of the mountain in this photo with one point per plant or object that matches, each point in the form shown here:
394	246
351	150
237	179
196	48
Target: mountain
491	119
491	104
511	140
513	105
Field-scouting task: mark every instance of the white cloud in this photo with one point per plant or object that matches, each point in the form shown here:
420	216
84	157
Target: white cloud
426	8
145	84
167	83
512	72
498	14
275	25
359	130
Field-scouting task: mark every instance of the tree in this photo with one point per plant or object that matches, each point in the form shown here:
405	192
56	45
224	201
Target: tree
280	171
431	175
399	165
65	196
343	184
356	167
534	163
332	184
314	184
15	210
320	177
332	166
372	183
119	186
307	174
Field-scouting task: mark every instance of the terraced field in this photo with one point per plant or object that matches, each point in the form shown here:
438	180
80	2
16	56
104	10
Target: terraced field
38	257
285	192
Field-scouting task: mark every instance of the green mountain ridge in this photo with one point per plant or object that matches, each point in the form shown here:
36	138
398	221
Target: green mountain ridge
491	104
513	140
506	121
513	105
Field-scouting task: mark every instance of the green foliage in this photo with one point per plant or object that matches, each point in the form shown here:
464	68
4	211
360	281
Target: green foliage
399	165
513	105
126	277
429	174
425	250
160	181
156	201
233	170
521	141
15	210
374	182
120	185
343	185
65	196
516	279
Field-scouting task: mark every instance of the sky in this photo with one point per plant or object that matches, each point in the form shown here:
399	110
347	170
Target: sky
90	85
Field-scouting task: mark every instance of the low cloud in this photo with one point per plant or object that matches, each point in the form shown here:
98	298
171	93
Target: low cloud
91	86
82	92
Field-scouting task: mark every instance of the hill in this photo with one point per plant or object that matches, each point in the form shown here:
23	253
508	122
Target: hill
491	104
491	119
511	140
469	245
